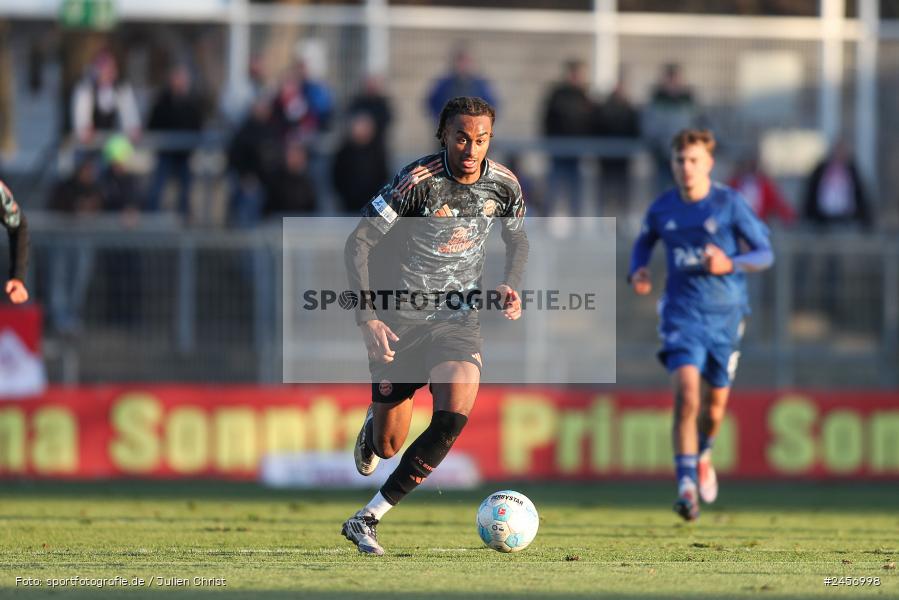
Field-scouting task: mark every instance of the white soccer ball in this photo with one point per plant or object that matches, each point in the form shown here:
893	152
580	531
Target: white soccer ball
507	521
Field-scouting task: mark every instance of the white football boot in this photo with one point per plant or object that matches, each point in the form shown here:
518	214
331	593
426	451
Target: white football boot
365	457
708	480
361	530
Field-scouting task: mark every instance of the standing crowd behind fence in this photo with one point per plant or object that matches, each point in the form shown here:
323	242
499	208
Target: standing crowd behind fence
147	174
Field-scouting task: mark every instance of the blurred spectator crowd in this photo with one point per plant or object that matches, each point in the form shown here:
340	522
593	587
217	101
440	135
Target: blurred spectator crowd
290	147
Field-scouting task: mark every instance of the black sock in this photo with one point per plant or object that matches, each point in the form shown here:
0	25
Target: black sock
423	456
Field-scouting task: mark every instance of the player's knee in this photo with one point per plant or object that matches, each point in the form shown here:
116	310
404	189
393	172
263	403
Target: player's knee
687	389
686	406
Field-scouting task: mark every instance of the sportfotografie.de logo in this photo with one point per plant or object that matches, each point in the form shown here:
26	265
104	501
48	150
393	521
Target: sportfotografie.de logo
551	300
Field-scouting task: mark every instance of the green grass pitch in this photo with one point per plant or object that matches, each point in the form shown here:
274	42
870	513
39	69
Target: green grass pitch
611	540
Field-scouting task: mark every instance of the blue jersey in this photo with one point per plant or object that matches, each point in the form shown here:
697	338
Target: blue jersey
722	218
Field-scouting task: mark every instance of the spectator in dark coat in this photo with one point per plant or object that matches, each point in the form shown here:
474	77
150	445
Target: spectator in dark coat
72	264
303	107
835	201
460	81
671	109
176	109
80	193
616	117
122	267
292	189
121	194
373	102
569	113
359	168
103	103
834	193
254	154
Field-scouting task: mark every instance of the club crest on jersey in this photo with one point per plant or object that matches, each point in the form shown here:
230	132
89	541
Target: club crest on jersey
490	208
671	225
711	225
385	388
384	209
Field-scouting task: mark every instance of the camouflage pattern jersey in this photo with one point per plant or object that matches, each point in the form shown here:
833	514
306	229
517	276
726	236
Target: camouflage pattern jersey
431	232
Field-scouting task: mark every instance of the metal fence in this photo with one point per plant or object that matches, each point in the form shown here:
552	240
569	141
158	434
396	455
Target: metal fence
157	303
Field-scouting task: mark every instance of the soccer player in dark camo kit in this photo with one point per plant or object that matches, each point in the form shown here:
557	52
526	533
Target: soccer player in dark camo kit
712	239
17	228
440	209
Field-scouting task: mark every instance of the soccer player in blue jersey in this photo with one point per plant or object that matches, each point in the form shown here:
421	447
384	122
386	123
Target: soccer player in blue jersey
712	239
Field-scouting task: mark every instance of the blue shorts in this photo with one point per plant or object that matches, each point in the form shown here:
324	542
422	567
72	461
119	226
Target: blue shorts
710	342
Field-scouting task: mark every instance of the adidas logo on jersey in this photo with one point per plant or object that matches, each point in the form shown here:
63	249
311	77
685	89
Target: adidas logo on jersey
670	225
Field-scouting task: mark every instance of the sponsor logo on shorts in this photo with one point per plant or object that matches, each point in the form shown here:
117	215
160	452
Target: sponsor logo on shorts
477	357
385	388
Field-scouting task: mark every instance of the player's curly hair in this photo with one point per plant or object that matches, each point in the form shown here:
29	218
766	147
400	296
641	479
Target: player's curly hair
464	105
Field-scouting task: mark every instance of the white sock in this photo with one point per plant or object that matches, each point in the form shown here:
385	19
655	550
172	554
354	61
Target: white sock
378	506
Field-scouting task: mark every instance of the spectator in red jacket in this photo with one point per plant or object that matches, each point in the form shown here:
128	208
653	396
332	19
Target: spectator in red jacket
761	192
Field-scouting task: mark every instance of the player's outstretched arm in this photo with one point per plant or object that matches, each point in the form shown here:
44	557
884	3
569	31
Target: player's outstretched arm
377	336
